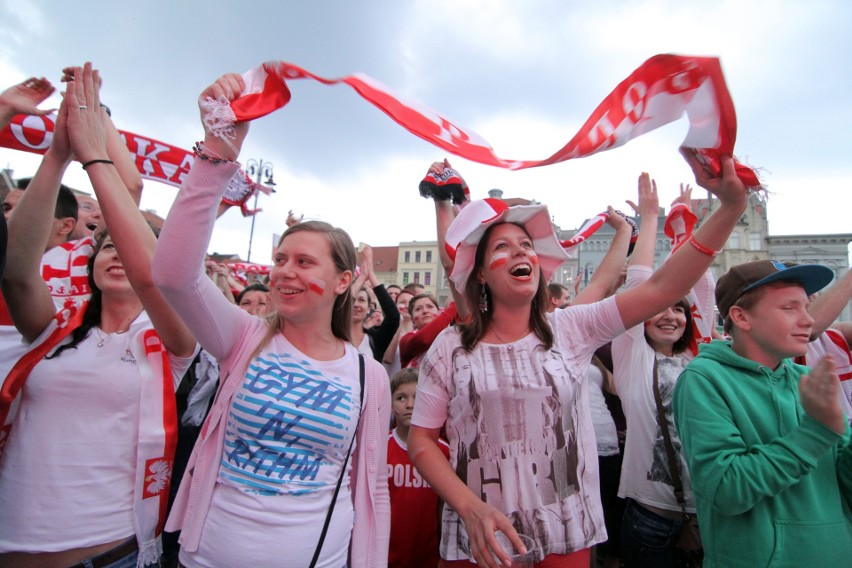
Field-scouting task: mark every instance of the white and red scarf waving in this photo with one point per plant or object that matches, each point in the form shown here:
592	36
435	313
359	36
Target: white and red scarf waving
591	226
680	222
660	91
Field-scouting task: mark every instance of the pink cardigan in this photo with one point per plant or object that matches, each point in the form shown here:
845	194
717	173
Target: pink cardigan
231	336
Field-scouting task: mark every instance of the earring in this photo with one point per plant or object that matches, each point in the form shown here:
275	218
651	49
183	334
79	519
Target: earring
483	299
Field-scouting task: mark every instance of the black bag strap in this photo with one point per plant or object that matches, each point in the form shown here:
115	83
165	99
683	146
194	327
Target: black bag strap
674	468
345	463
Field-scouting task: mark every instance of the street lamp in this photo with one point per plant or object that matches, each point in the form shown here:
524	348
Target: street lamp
261	174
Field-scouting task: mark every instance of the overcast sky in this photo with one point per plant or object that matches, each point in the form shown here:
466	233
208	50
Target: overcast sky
524	75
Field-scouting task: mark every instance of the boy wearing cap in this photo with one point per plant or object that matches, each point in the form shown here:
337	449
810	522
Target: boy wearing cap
766	441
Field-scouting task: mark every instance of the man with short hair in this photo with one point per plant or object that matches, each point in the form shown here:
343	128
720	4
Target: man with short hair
64	212
557	296
88	216
766	441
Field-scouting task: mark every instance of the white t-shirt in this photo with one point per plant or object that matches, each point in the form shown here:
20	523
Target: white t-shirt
67	473
606	434
645	471
287	434
520	430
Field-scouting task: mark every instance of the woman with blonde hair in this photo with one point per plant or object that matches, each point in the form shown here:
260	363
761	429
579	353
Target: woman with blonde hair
276	476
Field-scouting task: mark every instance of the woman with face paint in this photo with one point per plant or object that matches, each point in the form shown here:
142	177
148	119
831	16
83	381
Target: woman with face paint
528	463
274	479
87	444
653	352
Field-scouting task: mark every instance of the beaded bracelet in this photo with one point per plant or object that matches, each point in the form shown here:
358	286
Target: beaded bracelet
701	248
90	162
203	153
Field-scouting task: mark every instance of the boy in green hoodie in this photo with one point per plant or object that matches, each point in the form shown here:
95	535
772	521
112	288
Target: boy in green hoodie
766	441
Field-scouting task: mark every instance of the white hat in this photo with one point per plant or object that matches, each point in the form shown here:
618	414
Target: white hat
473	220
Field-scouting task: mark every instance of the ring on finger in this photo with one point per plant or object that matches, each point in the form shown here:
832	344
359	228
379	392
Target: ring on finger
83	107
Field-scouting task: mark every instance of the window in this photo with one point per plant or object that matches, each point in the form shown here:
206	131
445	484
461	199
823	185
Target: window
417	277
408	256
405	277
754	241
734	241
417	256
427	278
428	256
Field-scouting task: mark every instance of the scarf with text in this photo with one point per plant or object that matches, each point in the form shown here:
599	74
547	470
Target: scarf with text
660	91
154	160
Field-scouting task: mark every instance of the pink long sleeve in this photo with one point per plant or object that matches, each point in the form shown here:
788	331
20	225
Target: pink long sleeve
179	258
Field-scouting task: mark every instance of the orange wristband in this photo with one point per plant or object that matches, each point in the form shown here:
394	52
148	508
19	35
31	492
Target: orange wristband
701	248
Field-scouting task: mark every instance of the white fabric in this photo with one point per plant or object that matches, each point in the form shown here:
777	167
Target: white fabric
645	471
68	471
606	433
288	433
198	401
364	347
519	428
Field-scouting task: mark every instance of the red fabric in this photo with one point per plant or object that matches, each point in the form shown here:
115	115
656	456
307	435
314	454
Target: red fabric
5	317
417	342
414	512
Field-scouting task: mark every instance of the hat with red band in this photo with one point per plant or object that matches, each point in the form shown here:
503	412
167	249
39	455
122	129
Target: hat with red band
469	226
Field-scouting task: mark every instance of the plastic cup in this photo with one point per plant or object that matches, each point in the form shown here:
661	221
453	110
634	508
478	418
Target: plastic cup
518	560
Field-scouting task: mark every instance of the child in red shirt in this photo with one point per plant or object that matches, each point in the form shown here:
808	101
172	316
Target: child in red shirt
414	505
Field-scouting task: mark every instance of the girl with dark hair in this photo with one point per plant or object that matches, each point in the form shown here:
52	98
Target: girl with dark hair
646	358
86	459
535	467
276	477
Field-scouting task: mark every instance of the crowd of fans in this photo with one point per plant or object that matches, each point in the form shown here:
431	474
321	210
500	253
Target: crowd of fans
159	407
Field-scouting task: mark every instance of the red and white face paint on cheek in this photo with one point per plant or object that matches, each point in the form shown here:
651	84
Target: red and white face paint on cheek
533	257
498	259
317	285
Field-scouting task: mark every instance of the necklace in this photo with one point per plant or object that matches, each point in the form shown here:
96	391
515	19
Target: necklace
103	339
497	335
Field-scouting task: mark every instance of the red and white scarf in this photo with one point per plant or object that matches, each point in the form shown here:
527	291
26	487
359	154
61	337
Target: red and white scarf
679	225
660	91
154	160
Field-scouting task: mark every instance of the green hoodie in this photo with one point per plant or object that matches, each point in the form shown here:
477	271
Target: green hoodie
772	485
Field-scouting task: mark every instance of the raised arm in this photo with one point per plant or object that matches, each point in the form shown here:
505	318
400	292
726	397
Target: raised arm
445	212
828	305
608	272
124	165
648	210
134	241
179	257
676	276
27	296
